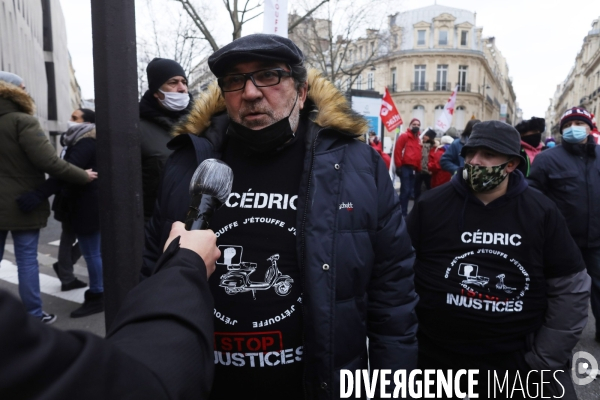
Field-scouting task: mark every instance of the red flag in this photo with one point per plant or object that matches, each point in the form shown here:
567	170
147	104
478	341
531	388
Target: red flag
389	114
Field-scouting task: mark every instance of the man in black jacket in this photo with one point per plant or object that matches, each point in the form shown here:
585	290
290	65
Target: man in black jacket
570	175
496	267
165	102
316	256
158	347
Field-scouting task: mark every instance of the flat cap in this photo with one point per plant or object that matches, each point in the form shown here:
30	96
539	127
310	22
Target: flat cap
497	136
258	46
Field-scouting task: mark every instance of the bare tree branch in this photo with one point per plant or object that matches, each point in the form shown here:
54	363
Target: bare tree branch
199	22
308	14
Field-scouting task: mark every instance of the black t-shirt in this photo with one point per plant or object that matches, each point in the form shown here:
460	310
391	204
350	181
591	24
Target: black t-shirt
481	270
256	286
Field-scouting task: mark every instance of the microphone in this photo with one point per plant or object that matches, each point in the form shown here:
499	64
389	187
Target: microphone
210	187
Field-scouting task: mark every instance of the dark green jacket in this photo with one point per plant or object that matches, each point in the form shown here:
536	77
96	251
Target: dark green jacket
25	155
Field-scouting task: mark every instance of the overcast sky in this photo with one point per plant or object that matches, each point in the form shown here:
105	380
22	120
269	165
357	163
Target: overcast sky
539	39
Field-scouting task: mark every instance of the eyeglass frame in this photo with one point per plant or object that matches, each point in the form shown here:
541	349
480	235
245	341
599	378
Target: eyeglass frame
249	75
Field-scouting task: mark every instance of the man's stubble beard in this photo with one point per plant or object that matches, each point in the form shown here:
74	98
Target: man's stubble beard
272	117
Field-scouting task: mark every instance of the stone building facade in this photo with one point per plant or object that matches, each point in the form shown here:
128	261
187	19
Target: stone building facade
582	85
421	56
33	45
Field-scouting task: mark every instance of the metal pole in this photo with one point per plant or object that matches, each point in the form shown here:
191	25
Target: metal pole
119	159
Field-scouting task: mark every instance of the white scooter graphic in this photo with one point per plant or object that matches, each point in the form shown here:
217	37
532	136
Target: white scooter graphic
237	279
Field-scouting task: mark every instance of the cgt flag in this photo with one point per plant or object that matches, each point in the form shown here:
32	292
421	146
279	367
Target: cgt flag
389	114
443	123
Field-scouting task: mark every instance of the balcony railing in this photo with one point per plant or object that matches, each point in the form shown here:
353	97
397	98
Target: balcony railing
419	86
442	86
392	88
464	87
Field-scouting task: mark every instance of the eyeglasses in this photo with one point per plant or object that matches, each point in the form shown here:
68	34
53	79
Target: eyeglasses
262	78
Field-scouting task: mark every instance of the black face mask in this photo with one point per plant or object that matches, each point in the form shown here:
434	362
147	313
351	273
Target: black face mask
415	129
532	140
269	139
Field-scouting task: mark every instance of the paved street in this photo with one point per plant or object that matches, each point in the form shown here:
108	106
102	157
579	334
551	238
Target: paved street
61	306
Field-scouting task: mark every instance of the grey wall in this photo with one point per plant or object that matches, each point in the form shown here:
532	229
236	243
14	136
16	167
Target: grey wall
33	45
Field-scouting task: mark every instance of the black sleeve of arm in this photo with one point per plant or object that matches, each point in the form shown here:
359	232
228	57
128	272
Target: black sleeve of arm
159	347
567	290
40	362
391	316
166	323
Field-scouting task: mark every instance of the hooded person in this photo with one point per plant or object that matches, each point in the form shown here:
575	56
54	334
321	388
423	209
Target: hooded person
531	141
495	258
26	155
306	190
407	159
568	175
438	175
165	103
451	161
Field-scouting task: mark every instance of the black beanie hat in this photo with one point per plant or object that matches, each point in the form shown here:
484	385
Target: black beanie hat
161	70
259	46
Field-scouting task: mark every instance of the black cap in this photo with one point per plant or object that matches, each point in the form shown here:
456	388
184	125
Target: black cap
161	70
497	136
259	46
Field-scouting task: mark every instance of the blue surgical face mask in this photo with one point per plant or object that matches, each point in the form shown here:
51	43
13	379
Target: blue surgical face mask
574	134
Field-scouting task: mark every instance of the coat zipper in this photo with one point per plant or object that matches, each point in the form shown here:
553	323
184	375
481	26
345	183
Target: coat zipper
303	251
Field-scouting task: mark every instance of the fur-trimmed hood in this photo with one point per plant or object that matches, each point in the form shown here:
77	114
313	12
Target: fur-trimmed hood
332	109
14	94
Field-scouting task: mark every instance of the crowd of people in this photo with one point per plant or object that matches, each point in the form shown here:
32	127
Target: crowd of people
314	252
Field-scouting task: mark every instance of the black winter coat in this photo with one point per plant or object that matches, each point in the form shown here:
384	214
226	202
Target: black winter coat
155	132
356	268
77	205
158	347
570	175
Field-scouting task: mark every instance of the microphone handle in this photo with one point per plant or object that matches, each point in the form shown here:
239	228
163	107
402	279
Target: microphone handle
198	218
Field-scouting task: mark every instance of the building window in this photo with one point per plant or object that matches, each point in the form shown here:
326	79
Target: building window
462	78
420	38
350	54
47	25
442	78
443	39
370	81
395	41
463	37
360	53
419	113
419	83
359	82
372	48
459	117
393	86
